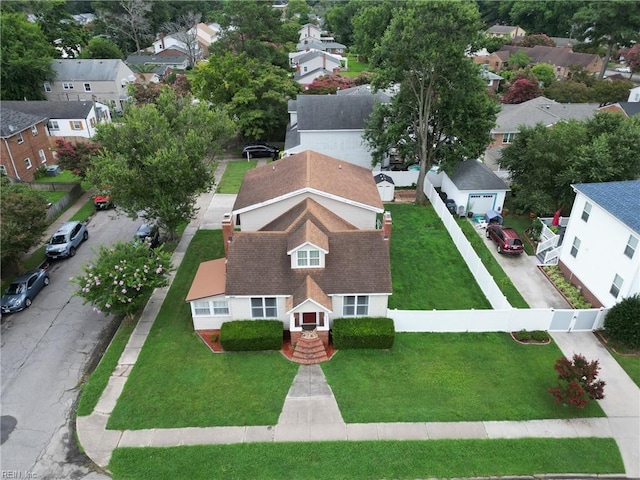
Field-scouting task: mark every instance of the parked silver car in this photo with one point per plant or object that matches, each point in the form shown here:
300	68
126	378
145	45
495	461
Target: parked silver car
66	239
23	290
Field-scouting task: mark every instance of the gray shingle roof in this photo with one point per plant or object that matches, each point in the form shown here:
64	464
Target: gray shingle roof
381	177
474	175
560	57
57	109
501	29
89	70
620	199
334	112
630	108
13	121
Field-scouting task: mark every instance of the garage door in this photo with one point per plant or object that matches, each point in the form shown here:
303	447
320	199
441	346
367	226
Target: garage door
481	202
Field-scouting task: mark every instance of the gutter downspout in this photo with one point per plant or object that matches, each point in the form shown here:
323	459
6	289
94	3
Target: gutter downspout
6	144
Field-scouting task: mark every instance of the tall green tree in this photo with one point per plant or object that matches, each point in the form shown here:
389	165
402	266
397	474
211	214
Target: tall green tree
160	157
26	59
339	20
59	27
99	47
23	214
369	25
423	51
552	17
129	19
544	162
614	23
256	92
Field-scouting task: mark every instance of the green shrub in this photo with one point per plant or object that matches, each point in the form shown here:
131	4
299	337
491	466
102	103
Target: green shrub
572	294
40	172
535	229
251	335
531	336
364	332
622	322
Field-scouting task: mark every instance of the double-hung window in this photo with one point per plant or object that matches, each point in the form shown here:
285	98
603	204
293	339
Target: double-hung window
308	258
264	307
34	130
355	306
27	163
616	286
220	307
54	125
575	247
67	86
87	87
201	308
43	156
508	137
586	211
632	246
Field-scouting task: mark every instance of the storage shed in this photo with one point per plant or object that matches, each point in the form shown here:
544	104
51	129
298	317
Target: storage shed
386	187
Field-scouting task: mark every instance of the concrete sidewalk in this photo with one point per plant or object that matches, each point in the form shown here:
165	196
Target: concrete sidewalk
311	413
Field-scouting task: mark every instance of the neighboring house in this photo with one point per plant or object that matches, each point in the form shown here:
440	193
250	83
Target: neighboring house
332	125
528	114
560	58
311	37
104	81
310	31
493	80
202	36
73	121
505	31
496	61
474	187
634	94
159	63
386	187
312	64
307	252
24	143
600	250
628	109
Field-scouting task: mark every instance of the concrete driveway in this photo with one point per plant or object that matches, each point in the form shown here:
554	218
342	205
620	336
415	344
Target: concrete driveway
526	276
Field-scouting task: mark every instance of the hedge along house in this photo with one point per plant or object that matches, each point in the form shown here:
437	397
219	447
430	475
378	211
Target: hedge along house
305	249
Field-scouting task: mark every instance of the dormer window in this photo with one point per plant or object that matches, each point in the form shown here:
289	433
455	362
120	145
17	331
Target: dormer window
308	258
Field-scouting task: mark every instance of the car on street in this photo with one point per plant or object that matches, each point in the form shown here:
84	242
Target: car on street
506	238
102	201
148	232
623	69
260	150
23	290
66	239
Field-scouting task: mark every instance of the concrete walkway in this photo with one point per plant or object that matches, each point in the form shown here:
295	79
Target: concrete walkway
311	413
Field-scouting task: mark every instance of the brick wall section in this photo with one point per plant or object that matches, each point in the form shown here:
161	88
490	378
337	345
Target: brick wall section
13	153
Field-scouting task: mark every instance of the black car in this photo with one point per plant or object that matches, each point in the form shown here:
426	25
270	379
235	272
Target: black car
148	232
260	149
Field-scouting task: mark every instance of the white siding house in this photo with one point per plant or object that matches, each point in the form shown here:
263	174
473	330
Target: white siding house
601	250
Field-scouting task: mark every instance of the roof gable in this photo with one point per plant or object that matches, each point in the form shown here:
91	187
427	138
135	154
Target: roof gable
474	175
620	199
209	281
307	233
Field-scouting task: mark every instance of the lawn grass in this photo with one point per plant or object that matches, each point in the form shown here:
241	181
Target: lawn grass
448	377
369	460
53	197
92	390
84	212
178	382
502	280
630	364
65	177
427	271
233	176
355	67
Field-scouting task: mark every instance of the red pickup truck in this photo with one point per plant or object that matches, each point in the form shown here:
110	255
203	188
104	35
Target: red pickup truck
102	201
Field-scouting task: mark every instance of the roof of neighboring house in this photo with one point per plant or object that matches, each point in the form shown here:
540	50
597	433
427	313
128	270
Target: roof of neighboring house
334	112
312	54
13	121
210	280
381	177
304	172
474	175
90	70
620	199
629	108
501	29
346	270
156	59
312	42
315	73
563	42
492	156
540	110
292	137
52	110
382	95
560	57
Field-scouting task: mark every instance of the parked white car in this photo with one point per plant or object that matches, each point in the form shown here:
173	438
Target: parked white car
623	69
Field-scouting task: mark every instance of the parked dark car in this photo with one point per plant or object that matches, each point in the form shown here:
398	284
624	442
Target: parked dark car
506	238
260	150
450	203
66	239
148	232
23	290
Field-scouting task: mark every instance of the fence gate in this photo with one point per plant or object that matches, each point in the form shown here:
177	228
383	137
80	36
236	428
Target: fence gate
561	321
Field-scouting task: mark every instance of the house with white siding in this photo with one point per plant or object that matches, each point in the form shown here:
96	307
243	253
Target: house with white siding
600	250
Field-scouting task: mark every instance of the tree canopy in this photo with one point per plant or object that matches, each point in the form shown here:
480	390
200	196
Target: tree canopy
26	58
423	52
256	92
544	162
159	158
99	47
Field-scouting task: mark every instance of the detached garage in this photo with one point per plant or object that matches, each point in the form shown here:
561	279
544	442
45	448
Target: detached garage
474	186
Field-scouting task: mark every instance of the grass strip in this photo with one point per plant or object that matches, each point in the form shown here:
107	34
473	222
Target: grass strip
234	174
92	390
502	280
449	377
630	364
178	382
84	212
370	460
426	269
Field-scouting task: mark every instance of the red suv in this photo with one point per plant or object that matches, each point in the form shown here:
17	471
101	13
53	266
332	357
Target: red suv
506	238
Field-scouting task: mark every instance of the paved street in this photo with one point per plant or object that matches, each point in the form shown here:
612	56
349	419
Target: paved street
45	352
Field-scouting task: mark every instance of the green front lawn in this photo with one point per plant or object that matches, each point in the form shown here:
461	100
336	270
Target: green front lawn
494	268
367	460
178	382
355	67
630	364
426	269
234	174
448	377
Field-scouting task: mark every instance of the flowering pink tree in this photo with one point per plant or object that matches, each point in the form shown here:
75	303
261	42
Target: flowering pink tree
121	278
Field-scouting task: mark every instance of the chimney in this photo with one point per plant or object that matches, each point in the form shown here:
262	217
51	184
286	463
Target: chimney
227	232
386	227
162	47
